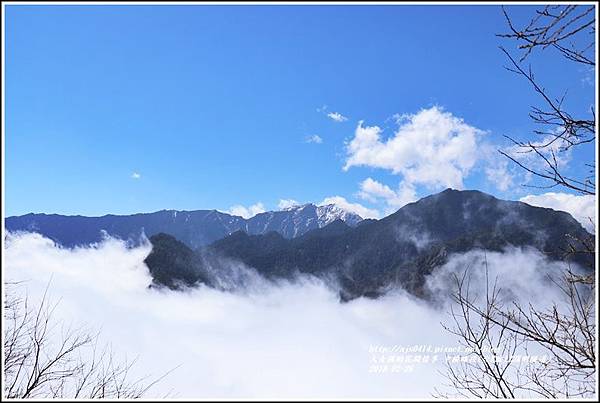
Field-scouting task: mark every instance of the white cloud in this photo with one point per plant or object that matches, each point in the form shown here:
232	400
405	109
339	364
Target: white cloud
374	191
534	283
136	175
314	139
247	212
370	190
260	344
356	208
338	117
287	203
581	207
286	341
497	172
431	147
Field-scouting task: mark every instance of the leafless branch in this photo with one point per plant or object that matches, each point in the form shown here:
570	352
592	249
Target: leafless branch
491	329
43	359
570	29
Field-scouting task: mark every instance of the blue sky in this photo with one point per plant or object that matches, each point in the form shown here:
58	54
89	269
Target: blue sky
213	106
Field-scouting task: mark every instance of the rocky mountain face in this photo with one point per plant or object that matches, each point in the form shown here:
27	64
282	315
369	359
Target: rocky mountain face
369	258
193	228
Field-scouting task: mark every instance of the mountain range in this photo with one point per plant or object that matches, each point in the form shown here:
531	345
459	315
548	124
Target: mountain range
358	257
373	256
193	228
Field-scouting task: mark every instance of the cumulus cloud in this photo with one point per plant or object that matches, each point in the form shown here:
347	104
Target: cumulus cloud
374	191
286	341
136	175
336	116
247	212
431	147
356	208
581	207
314	139
287	203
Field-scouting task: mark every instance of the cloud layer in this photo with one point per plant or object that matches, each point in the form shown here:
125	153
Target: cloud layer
286	341
275	341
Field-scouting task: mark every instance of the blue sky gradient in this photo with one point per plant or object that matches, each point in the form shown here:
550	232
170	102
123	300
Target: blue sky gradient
212	105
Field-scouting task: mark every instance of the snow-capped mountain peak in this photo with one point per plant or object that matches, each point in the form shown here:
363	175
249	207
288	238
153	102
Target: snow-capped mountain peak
325	214
328	213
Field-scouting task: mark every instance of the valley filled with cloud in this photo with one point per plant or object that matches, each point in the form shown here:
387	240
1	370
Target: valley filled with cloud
270	340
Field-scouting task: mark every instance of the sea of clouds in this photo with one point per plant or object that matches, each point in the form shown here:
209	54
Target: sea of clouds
285	340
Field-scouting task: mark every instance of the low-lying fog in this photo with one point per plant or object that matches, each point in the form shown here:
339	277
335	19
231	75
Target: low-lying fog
290	340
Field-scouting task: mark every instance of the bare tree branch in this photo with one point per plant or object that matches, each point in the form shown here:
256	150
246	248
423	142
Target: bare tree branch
569	29
45	360
493	330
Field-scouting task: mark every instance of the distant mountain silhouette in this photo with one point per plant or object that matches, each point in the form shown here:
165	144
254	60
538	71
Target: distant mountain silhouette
370	258
193	228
